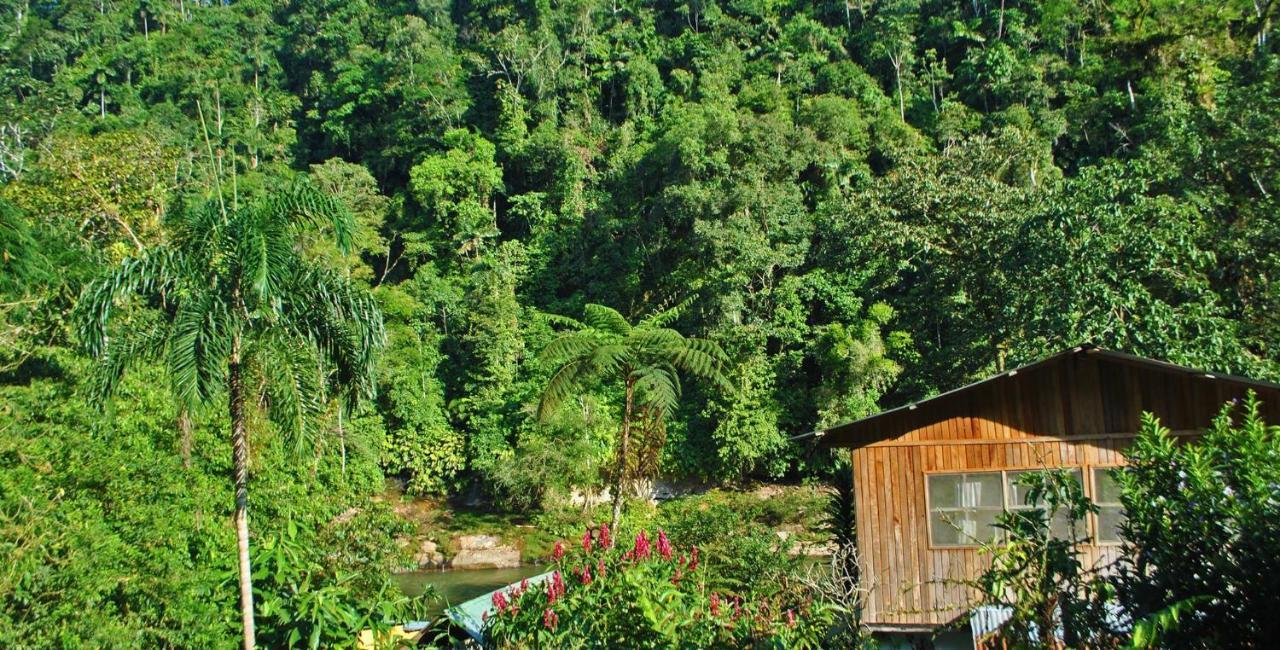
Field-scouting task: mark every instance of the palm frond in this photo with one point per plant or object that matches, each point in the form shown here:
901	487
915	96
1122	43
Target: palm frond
138	344
293	383
343	323
303	205
605	319
198	347
147	275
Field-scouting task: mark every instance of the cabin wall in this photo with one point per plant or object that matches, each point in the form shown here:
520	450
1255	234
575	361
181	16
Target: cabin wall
909	582
1082	412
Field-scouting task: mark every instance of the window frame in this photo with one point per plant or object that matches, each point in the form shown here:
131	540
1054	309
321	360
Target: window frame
1086	476
928	501
1093	493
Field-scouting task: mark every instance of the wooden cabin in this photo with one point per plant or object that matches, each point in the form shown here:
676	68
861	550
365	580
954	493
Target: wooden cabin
930	477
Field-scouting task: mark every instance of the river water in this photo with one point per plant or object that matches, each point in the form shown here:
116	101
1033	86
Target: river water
455	587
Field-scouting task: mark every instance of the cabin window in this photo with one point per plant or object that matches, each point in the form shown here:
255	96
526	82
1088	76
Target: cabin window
1060	525
963	508
1106	495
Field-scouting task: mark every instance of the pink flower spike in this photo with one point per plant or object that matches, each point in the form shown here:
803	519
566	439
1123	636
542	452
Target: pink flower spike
499	601
586	575
586	542
557	553
664	545
605	540
641	548
715	604
791	618
550	619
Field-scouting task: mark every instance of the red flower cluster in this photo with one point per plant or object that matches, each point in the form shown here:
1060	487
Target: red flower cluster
586	542
641	550
664	545
555	588
715	604
605	540
550	619
584	574
557	553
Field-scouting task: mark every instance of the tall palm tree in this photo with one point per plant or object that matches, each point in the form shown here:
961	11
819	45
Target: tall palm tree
241	309
645	359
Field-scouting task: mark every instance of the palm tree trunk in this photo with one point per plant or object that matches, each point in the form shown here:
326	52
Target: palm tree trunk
184	433
623	449
240	457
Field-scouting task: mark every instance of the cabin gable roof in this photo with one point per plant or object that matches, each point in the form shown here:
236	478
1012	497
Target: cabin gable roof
1075	392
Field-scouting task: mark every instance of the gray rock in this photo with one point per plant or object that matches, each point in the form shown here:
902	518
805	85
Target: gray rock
429	555
501	557
478	542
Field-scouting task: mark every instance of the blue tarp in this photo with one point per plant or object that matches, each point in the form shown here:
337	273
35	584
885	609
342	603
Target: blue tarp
470	615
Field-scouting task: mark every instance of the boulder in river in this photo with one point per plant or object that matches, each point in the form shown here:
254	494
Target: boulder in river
484	552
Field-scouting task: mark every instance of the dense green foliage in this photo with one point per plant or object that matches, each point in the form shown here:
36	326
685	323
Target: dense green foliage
109	542
860	203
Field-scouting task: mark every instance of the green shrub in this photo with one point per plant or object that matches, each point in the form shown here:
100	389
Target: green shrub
1202	525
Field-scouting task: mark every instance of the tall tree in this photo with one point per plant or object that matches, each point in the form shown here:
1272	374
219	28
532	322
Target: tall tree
645	358
242	309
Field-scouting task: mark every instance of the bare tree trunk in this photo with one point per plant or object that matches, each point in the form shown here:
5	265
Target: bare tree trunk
342	441
623	449
240	457
184	433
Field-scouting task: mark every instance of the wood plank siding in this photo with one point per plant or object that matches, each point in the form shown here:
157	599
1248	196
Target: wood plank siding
1078	409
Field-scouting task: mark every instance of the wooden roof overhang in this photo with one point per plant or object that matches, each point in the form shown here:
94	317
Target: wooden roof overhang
885	424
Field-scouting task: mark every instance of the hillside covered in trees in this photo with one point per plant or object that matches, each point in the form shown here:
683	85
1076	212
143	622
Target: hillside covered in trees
860	202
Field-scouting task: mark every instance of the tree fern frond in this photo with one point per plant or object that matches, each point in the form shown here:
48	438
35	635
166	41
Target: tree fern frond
609	359
563	383
568	346
605	319
665	317
657	387
563	321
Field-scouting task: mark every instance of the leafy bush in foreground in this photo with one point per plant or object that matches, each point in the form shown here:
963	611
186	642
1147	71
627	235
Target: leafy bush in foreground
648	595
1202	525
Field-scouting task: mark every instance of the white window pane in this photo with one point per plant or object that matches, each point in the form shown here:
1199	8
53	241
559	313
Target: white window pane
1105	488
983	490
945	531
982	528
1017	491
1060	526
1109	520
944	490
